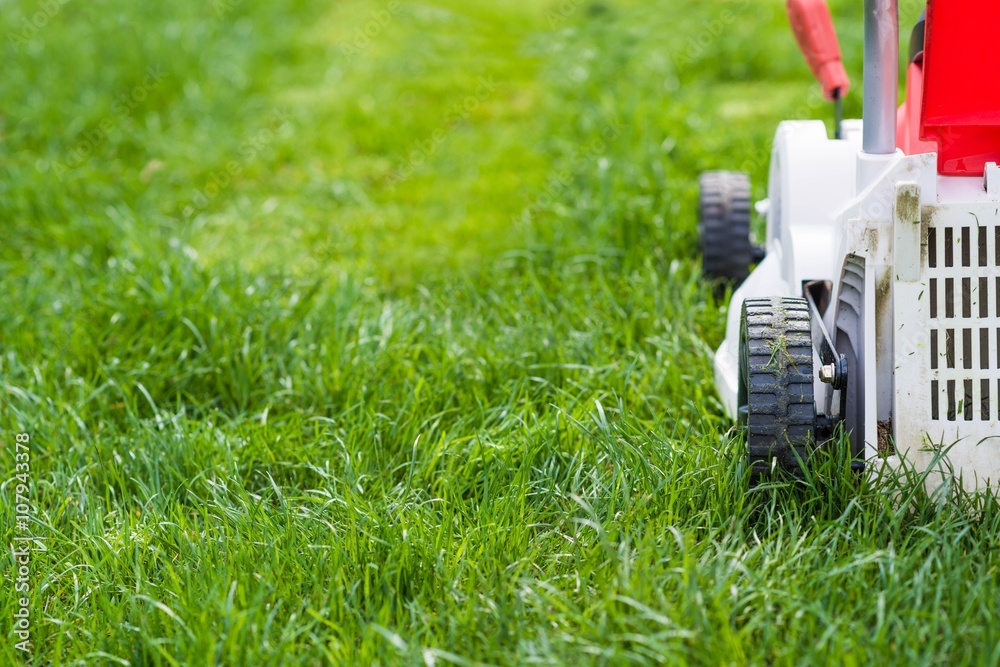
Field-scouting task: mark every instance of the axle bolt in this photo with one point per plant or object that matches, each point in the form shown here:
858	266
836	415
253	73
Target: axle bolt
828	373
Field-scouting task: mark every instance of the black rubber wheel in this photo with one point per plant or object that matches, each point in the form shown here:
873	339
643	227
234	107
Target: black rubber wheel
775	390
724	226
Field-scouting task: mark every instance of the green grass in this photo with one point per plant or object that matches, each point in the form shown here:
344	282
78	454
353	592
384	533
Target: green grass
289	407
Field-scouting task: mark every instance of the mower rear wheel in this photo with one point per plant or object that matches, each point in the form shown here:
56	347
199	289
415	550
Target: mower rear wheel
775	391
724	226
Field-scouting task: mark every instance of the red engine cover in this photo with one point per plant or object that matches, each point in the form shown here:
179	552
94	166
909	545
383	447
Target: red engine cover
961	101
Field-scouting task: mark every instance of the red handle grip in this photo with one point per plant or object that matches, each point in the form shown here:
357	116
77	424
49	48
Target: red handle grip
813	28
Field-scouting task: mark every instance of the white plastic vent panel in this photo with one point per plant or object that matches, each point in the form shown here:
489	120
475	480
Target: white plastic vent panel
947	341
963	293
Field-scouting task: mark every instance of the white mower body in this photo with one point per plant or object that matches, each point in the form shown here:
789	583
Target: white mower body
912	260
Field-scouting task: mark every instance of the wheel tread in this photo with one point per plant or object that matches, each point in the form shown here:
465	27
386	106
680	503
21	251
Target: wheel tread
724	225
777	356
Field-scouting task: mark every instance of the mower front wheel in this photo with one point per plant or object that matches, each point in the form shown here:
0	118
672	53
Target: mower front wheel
775	398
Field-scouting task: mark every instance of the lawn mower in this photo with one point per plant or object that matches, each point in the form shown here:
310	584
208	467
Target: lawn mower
873	309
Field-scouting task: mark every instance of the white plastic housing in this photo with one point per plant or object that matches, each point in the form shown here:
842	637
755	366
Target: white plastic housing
930	251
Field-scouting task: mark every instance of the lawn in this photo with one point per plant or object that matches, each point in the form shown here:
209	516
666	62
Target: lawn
373	333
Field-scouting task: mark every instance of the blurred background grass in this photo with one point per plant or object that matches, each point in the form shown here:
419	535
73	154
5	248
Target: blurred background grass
690	82
392	347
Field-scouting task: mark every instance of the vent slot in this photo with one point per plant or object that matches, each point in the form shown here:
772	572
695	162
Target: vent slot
984	400
984	349
949	297
934	297
984	297
951	401
967	401
966	298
